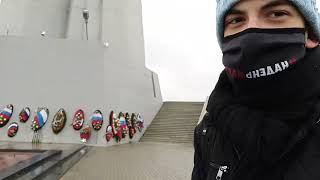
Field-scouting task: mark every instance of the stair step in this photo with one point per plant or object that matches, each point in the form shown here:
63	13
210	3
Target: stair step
172	120
190	131
163	118
181	110
170	138
183	103
189	140
171	135
180	118
178	133
173	125
182	127
182	106
173	141
179	114
170	130
175	122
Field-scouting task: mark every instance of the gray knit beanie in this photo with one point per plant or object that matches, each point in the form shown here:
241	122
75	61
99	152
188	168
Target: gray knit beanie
306	7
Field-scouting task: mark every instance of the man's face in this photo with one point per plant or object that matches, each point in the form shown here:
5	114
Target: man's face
266	14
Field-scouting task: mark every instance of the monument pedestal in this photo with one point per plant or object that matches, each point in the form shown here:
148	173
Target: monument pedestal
40	161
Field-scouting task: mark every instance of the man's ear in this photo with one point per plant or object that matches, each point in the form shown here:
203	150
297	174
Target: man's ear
310	43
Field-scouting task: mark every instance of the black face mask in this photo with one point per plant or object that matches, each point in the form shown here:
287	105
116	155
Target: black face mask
257	53
262	63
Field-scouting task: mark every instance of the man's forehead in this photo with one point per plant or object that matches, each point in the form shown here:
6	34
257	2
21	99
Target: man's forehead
262	4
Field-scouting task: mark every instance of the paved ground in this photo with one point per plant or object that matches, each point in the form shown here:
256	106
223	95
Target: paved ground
140	161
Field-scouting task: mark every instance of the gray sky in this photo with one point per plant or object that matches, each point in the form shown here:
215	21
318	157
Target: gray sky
181	47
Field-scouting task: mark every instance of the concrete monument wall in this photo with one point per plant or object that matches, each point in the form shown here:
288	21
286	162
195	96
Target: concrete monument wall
64	70
72	74
31	17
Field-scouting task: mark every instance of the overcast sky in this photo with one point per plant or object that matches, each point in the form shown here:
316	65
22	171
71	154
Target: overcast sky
181	47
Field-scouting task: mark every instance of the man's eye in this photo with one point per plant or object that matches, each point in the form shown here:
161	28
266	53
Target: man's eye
276	14
234	21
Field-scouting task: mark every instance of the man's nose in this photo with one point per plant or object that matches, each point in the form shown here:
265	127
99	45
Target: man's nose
254	23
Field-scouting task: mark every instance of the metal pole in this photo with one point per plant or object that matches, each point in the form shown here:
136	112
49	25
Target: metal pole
85	15
87	30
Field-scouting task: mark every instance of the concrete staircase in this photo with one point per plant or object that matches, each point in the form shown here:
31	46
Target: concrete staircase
174	123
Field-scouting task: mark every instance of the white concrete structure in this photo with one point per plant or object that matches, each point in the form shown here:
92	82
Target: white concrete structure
47	61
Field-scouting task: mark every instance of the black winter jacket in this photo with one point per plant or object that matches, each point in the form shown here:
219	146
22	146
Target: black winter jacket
244	139
217	158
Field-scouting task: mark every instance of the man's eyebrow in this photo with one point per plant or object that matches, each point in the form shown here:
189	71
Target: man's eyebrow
235	12
265	7
274	4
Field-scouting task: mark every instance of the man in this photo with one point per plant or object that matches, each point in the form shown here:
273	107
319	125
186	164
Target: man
262	118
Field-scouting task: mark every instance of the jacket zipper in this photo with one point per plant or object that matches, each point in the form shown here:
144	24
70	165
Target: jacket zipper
237	152
221	170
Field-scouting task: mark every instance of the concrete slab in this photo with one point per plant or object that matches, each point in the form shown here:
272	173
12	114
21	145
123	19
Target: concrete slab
50	162
139	161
